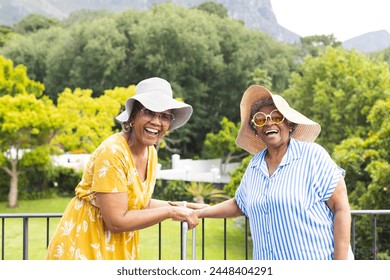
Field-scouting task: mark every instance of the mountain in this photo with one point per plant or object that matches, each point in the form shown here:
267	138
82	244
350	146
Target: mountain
369	42
257	14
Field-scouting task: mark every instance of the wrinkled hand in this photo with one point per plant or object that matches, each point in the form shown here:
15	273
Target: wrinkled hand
182	214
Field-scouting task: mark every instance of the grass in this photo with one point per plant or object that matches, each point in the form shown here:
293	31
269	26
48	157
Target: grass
170	237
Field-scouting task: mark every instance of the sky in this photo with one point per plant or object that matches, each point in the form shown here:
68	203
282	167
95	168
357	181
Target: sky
344	19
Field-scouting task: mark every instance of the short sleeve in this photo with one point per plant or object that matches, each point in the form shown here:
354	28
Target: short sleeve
109	172
326	173
242	191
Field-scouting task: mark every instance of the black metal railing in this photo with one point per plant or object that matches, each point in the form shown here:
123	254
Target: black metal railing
26	217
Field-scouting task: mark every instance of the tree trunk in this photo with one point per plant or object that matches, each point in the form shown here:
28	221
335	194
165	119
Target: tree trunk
13	190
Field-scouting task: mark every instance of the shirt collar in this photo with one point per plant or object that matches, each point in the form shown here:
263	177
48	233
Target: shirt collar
294	152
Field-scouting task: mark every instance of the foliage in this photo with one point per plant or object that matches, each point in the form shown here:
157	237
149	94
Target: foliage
208	59
337	89
235	177
34	22
6	33
88	120
223	144
171	190
205	192
314	45
26	124
213	8
14	80
64	181
366	161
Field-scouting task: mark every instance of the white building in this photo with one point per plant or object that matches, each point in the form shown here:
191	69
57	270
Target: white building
206	170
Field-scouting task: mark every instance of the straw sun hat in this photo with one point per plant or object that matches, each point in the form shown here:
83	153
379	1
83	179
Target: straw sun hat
155	94
306	129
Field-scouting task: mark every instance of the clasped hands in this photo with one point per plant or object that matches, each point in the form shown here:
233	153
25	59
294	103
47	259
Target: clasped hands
183	211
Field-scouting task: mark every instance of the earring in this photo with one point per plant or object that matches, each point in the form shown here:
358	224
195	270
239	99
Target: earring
127	127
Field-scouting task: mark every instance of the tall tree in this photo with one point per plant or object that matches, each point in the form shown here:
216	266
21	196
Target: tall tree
88	120
366	160
337	89
34	22
26	123
223	144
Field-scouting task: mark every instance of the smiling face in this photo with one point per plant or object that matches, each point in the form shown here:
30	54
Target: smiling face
275	134
149	127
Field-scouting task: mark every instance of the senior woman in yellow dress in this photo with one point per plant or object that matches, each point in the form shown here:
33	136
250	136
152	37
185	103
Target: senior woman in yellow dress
292	191
113	200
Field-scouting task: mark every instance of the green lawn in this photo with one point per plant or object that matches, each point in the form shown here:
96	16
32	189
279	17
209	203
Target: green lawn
170	238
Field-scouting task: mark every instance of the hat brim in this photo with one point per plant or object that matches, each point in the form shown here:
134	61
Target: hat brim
306	130
159	103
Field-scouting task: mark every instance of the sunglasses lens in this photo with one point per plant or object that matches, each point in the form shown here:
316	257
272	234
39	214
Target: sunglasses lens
276	117
259	119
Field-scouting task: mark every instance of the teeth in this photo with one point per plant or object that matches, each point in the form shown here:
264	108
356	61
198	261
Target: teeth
271	131
155	131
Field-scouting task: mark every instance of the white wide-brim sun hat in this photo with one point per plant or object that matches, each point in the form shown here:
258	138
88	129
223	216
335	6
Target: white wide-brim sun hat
306	129
156	95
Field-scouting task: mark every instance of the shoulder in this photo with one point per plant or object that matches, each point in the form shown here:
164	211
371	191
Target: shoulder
312	148
112	145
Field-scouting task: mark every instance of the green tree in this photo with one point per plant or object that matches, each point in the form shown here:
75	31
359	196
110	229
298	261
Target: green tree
34	22
88	120
223	144
314	45
337	89
366	161
14	80
26	123
87	56
213	8
6	33
236	176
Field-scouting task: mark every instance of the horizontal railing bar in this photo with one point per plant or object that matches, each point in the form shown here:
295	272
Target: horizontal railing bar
31	215
372	212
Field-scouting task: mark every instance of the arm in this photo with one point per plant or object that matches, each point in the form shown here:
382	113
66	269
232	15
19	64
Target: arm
339	205
226	209
118	218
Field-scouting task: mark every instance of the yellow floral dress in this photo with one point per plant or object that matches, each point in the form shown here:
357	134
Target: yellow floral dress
81	233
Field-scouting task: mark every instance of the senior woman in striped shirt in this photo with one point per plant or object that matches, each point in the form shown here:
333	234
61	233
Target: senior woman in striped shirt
292	191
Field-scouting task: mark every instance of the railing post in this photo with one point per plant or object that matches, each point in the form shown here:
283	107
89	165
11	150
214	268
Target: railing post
2	238
374	239
246	239
25	238
353	234
159	241
203	242
224	239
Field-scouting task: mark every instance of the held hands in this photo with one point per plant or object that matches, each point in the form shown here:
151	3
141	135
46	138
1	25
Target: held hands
183	211
185	214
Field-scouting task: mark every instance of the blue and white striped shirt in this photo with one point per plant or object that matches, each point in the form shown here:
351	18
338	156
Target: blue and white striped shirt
289	219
